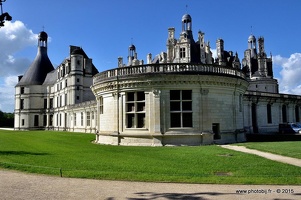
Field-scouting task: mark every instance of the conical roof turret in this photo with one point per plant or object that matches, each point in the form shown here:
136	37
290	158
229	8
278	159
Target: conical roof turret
40	67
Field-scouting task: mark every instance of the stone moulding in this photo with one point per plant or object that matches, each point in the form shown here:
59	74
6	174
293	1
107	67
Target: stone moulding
161	80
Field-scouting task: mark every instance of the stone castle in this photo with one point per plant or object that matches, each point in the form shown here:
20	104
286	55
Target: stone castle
183	96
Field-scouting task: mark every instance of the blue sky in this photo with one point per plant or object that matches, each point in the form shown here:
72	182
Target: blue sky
105	29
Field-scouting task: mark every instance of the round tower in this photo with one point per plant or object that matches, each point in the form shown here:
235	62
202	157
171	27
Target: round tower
30	99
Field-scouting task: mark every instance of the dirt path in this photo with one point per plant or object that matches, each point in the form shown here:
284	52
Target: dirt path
275	157
17	186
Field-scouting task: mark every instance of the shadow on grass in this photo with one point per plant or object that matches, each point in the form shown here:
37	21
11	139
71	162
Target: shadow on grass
22	153
189	196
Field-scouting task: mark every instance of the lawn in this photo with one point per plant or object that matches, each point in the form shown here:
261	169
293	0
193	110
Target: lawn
291	148
74	155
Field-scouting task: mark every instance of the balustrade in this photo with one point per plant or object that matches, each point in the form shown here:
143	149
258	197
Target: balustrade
166	68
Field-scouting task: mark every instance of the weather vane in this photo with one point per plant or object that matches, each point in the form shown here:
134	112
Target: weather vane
4	16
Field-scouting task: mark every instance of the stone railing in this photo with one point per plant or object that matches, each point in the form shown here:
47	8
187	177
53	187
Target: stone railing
83	104
167	68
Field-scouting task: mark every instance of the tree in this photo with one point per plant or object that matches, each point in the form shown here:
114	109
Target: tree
6	119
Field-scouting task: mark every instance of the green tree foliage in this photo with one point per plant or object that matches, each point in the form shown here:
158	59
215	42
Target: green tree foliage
6	119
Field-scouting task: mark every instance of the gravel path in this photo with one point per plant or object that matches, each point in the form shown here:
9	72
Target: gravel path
17	186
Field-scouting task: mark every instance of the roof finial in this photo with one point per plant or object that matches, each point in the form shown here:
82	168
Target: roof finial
186	9
251	30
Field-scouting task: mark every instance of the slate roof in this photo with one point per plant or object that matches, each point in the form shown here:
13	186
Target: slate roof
38	70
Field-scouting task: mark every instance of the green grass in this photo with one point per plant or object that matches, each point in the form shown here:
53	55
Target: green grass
291	149
47	152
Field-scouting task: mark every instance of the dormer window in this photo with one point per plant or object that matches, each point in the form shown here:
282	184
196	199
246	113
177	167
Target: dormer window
182	52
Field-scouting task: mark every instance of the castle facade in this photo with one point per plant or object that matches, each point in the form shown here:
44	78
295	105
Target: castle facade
183	96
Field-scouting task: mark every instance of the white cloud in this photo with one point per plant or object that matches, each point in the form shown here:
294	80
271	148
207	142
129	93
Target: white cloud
7	94
290	80
14	37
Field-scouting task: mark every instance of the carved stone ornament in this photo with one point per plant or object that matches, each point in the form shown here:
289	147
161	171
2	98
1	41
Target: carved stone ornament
157	93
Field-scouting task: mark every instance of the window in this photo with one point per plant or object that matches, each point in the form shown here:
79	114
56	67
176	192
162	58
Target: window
77	97
45	120
180	108
23	122
82	119
74	119
182	52
92	115
101	105
77	80
60	119
88	118
51	120
22	90
66	84
45	103
65	99
22	104
36	120
51	103
135	110
269	113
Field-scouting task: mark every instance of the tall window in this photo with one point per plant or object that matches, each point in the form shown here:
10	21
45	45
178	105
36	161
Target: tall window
88	118
82	119
22	90
181	108
269	113
45	103
51	103
22	104
50	120
135	110
65	99
36	120
44	120
74	119
182	52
